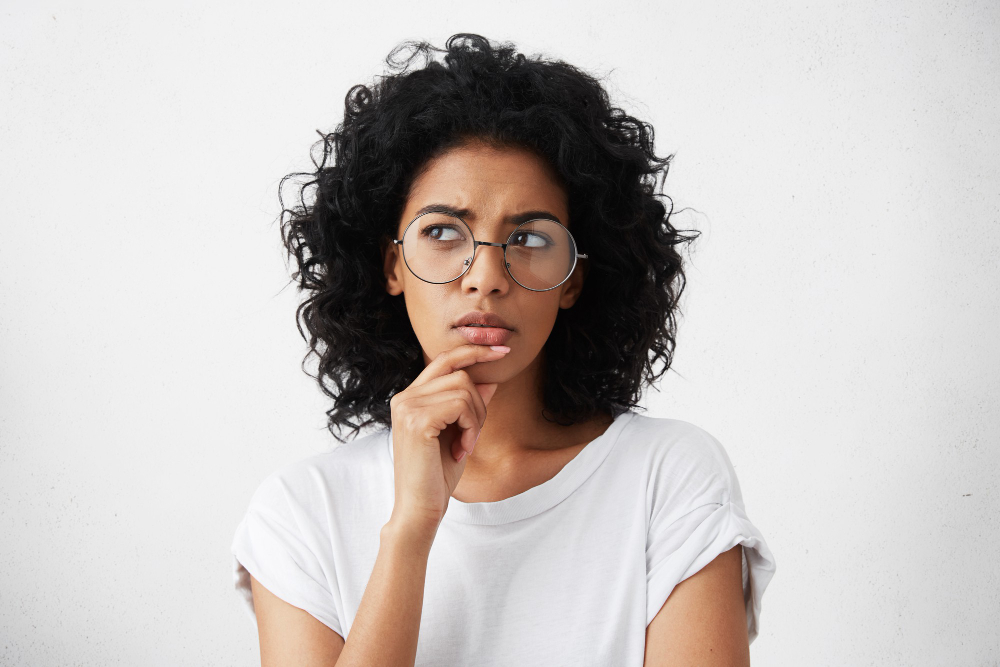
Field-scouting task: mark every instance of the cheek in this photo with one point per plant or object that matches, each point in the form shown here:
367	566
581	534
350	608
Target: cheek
537	321
419	310
428	318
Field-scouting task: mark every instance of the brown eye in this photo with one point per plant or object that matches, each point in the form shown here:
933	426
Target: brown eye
435	232
539	240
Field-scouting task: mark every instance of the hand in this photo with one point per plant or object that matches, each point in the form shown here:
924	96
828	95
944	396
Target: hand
435	424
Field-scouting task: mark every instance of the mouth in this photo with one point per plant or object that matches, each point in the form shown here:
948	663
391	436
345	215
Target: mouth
483	335
482	319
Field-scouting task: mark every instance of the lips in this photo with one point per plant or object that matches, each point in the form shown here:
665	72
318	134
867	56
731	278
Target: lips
485	335
491	330
483	318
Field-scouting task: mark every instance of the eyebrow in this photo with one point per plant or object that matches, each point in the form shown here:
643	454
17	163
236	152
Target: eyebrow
466	214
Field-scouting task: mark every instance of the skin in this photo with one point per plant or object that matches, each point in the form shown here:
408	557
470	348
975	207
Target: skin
703	621
517	448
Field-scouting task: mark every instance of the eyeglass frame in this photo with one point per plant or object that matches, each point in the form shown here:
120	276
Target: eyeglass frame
475	250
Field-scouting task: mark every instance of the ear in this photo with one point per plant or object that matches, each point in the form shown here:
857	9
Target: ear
392	267
572	288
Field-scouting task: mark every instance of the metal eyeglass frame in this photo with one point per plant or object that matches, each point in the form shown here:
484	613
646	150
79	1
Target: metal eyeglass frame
475	249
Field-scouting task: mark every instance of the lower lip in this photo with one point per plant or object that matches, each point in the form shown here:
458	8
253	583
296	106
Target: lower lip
485	335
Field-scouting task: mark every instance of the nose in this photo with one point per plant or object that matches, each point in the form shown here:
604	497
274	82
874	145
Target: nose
488	272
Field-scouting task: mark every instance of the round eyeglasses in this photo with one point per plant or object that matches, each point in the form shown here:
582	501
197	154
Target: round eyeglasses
438	248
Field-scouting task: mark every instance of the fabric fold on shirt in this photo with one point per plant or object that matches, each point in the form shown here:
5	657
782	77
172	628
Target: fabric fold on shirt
695	540
528	580
267	545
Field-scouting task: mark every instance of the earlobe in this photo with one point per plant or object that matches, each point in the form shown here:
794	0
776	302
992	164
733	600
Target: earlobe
568	299
572	292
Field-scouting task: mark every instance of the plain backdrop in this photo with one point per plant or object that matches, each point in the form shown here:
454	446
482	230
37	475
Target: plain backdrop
839	333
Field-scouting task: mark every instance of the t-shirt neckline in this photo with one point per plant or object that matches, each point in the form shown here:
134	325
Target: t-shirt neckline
546	495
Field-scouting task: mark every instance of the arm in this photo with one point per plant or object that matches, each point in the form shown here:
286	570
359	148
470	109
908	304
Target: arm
289	636
388	620
703	622
386	626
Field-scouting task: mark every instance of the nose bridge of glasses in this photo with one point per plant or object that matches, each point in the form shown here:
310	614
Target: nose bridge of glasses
475	250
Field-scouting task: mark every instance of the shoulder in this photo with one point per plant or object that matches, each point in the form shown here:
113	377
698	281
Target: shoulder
311	480
686	465
677	444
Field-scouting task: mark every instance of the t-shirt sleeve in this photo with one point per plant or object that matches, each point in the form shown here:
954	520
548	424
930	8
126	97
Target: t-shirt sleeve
697	513
279	543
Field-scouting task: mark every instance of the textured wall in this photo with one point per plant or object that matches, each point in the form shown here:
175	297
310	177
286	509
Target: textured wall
839	338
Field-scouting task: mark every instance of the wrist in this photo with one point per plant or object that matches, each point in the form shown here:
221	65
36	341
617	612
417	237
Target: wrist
410	532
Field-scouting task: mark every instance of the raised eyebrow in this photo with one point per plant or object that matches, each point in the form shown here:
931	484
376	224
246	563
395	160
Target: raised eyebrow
466	214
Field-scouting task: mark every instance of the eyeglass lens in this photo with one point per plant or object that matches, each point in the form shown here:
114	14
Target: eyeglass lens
438	248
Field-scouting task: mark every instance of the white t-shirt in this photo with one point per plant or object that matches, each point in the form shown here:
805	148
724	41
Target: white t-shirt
568	572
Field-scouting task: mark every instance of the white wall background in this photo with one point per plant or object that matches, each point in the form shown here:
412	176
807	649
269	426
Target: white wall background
841	321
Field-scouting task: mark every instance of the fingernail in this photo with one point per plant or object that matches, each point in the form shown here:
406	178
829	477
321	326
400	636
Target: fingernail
500	348
461	456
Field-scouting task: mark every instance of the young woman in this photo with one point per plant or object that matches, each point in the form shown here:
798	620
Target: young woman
492	277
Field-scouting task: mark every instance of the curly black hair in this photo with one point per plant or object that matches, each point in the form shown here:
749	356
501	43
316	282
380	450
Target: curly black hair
601	351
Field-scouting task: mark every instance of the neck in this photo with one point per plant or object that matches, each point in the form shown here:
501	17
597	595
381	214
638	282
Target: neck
515	430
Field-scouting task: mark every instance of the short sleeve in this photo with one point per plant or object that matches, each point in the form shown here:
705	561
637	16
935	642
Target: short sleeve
697	513
277	542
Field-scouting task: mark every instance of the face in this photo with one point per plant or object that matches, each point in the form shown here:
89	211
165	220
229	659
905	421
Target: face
492	184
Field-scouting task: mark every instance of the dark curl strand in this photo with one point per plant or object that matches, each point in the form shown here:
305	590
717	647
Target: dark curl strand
601	351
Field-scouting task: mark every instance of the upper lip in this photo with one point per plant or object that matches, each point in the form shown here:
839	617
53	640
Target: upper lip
487	319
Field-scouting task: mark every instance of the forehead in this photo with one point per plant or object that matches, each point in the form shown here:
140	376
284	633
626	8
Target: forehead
490	182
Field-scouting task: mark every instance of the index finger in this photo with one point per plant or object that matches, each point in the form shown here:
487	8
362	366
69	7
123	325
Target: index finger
451	360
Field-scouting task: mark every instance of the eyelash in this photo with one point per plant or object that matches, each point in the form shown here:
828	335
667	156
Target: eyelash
426	232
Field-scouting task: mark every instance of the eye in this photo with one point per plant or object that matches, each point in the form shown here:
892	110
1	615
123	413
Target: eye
521	240
429	233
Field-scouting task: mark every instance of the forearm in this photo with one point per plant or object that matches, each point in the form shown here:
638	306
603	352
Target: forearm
385	629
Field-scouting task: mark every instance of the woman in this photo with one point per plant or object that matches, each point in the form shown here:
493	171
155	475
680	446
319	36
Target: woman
492	276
